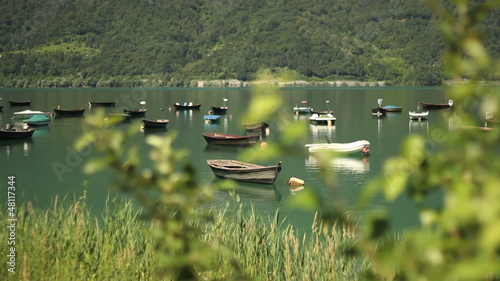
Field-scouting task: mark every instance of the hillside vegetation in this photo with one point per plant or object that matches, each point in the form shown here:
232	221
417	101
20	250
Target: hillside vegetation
89	43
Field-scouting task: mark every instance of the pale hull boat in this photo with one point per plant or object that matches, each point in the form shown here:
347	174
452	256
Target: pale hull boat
322	119
244	172
350	147
418	115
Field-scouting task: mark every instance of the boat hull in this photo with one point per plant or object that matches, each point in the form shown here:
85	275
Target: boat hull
351	147
16	134
302	110
219	110
436	105
418	115
69	112
188	106
19	103
26	114
322	119
102	104
244	172
159	123
230	140
135	113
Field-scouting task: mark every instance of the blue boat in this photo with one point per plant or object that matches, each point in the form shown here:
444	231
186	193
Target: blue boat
211	118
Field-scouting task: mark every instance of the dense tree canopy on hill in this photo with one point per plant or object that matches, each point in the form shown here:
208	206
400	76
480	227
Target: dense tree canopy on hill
120	43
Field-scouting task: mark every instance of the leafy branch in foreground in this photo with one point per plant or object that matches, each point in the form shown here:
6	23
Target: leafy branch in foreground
168	192
459	238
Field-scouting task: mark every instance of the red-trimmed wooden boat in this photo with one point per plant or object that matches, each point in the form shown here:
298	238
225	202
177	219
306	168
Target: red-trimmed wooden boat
158	123
15	133
20	103
437	105
68	112
186	106
225	139
102	103
135	112
244	172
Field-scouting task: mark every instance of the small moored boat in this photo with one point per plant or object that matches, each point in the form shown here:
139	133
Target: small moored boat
437	105
392	108
20	103
25	114
15	133
37	120
209	119
302	109
350	147
135	112
102	103
220	110
186	106
158	123
68	112
244	172
414	115
322	119
225	139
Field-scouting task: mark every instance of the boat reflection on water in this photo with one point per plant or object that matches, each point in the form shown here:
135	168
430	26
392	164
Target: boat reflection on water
342	165
418	127
13	146
319	133
152	131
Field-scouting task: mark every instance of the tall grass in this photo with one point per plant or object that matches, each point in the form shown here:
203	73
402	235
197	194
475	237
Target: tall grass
68	243
268	250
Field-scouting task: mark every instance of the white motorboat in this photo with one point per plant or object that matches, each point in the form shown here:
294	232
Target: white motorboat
350	147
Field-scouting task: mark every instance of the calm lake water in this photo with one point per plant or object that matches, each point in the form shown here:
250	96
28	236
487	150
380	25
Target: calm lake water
36	163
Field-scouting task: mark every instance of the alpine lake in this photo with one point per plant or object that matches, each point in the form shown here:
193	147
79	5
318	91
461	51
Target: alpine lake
47	166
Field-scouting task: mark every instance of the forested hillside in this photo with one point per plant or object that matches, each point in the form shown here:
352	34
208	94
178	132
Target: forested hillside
89	43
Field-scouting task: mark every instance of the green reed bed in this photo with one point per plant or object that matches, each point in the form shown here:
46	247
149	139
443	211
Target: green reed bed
267	250
68	243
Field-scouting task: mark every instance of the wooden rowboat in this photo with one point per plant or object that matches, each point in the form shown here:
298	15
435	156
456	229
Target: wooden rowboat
135	112
68	112
219	110
158	123
437	105
350	147
186	106
16	133
19	103
244	172
225	139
